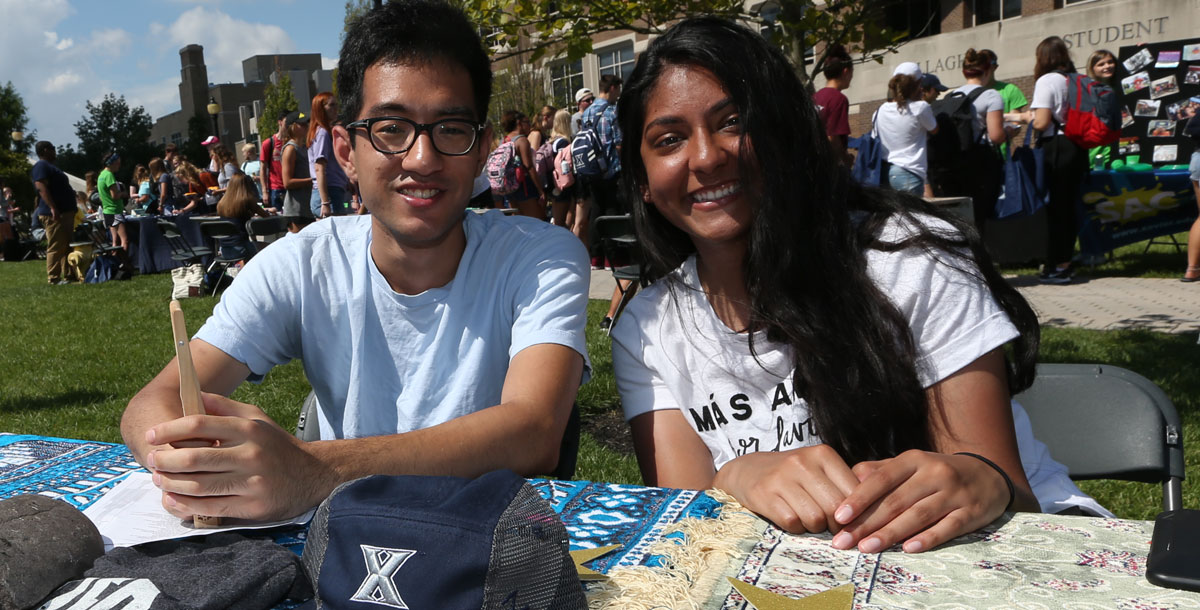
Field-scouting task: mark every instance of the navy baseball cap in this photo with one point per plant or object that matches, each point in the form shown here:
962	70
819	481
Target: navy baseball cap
931	80
440	542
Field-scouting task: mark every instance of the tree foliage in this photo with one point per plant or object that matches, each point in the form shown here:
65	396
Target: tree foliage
111	125
277	97
14	162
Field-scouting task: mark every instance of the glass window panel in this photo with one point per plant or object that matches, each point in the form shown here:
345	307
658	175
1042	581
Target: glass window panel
987	11
1012	8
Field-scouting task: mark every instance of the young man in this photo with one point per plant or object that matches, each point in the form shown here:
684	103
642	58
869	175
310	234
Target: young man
437	341
271	173
833	105
56	211
931	88
583	99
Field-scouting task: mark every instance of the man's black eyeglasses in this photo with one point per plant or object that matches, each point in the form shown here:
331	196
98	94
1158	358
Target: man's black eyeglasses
392	135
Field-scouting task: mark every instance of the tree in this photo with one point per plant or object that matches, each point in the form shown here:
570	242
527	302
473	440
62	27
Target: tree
14	164
277	97
112	125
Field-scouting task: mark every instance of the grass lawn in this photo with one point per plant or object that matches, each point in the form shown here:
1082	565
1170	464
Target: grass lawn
72	356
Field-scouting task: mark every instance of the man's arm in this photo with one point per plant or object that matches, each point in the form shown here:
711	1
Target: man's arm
43	191
260	471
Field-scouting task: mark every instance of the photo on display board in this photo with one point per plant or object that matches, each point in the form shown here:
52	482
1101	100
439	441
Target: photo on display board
1181	111
1165	153
1126	117
1135	82
1146	108
1128	146
1193	76
1191	52
1167	59
1161	129
1164	86
1140	60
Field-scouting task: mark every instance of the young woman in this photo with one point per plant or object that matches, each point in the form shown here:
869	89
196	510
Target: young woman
93	193
329	180
160	181
904	123
530	198
294	171
240	203
542	126
1065	162
1102	67
832	356
562	204
112	200
225	163
982	185
194	196
140	191
1192	273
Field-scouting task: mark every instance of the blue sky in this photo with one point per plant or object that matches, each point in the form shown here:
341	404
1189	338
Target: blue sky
59	54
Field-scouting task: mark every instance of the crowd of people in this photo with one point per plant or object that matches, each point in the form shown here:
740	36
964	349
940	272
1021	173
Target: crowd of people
833	356
924	157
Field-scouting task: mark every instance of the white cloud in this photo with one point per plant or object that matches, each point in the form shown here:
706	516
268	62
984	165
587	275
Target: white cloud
62	81
328	63
158	98
108	44
59	45
226	41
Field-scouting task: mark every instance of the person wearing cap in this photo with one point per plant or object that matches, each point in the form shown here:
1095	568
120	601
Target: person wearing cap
904	123
209	143
271	175
294	172
931	87
436	340
832	105
583	99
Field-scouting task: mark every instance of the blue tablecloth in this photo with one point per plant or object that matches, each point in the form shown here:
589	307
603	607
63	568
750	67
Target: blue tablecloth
149	251
1120	208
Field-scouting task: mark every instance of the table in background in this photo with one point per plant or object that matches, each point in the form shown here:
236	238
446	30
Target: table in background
1121	208
1046	560
149	250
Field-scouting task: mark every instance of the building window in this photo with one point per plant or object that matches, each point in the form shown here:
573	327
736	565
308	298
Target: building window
565	79
987	11
1080	1
177	139
919	18
617	60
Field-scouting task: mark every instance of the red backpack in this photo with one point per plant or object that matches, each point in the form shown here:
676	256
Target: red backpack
1093	113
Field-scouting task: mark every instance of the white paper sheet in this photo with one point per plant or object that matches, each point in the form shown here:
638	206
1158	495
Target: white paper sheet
132	513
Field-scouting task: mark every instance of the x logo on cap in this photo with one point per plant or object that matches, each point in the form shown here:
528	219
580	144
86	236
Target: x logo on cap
378	587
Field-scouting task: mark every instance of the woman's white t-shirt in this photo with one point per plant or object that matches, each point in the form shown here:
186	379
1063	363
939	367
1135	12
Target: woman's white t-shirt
1050	91
903	132
670	351
988	101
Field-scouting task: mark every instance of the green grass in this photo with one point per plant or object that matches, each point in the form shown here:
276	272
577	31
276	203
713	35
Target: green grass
1133	260
72	356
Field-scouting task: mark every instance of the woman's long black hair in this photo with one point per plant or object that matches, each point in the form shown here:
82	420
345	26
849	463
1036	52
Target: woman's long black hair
805	266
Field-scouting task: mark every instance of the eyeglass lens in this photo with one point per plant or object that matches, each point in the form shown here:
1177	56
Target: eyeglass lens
450	137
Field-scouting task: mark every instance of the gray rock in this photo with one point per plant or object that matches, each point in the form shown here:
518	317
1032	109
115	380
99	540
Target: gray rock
43	544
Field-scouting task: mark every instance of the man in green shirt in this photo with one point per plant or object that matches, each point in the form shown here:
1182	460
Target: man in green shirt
112	200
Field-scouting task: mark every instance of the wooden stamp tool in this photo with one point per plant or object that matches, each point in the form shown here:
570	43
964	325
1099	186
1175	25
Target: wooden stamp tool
189	386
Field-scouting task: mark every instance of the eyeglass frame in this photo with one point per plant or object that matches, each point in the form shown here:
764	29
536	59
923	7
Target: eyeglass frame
418	128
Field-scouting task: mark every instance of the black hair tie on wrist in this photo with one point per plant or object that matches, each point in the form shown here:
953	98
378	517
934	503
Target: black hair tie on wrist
1012	491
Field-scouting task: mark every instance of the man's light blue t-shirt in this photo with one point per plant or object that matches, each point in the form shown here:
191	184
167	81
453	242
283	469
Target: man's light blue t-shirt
382	362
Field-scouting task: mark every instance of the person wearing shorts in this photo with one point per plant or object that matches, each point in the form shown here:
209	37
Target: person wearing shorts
1192	273
112	200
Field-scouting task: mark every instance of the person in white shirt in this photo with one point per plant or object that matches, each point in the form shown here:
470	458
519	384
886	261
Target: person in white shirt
830	355
1066	162
904	124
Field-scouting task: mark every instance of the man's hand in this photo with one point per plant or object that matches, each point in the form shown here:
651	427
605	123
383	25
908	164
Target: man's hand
247	467
799	490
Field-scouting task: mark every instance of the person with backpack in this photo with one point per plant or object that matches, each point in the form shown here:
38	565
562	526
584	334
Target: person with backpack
986	168
903	124
1066	163
1102	67
510	168
563	204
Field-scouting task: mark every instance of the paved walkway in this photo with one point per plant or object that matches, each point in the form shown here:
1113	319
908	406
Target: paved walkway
1110	303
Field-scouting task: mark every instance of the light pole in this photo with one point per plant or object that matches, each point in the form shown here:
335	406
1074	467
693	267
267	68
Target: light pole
17	137
213	110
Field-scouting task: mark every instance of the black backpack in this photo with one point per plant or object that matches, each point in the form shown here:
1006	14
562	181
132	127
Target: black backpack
955	115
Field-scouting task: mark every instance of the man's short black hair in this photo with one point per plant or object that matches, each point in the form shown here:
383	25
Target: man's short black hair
43	149
411	32
837	61
608	81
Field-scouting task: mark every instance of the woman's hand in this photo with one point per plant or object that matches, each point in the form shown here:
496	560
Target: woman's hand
920	499
799	490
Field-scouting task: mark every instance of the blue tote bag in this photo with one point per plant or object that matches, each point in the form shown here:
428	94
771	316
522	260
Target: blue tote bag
868	163
1024	181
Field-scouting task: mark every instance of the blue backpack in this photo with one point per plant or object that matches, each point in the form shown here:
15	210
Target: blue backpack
868	163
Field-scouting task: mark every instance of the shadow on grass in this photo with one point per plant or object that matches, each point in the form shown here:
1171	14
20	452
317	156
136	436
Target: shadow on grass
69	399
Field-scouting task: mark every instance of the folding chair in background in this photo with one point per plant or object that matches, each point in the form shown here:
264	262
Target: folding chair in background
618	243
1106	422
266	230
181	250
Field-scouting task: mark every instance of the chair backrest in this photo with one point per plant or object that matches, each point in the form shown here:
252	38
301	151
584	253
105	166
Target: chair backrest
266	230
617	239
174	238
1106	422
216	229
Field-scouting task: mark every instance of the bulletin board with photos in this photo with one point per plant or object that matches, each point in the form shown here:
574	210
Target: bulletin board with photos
1161	91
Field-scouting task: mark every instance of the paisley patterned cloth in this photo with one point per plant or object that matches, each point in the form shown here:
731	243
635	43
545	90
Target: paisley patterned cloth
1022	560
